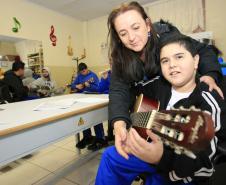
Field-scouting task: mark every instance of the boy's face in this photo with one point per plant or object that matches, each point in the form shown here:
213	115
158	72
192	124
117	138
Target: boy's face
178	66
45	73
84	72
20	72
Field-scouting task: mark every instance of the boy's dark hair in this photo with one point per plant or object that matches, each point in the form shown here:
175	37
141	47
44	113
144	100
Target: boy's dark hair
184	41
18	65
82	66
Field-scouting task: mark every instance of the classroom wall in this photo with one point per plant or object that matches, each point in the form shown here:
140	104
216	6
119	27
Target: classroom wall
96	33
36	22
215	21
97	29
7	48
26	47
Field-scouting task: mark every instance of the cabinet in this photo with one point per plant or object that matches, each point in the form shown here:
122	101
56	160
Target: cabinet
36	62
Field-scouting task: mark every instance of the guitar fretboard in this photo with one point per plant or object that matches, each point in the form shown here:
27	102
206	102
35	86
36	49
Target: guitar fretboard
146	120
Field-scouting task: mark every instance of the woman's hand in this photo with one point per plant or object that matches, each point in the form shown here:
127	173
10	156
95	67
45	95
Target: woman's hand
120	138
149	152
212	84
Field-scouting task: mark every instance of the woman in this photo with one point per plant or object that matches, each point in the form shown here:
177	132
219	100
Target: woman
134	47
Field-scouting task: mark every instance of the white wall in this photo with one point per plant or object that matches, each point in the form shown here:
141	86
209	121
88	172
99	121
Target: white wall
96	34
7	48
96	29
27	47
36	22
215	21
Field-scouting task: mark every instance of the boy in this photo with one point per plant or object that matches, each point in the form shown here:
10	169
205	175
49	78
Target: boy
179	63
87	81
13	78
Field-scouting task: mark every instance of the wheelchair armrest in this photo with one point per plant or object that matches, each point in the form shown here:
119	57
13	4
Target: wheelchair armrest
221	153
222	148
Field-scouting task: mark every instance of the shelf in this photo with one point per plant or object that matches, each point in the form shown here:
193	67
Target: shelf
35	60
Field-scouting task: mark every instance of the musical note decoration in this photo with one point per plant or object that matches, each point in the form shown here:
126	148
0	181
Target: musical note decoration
17	25
52	37
69	48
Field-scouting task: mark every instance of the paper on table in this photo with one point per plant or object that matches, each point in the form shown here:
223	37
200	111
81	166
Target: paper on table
53	105
90	100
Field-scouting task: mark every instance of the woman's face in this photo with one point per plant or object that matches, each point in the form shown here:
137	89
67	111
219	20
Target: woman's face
132	30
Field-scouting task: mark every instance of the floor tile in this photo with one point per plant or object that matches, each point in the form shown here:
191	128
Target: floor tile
40	153
84	174
21	173
54	159
69	146
65	141
51	179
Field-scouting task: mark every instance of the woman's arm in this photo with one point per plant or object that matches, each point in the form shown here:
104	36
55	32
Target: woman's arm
119	100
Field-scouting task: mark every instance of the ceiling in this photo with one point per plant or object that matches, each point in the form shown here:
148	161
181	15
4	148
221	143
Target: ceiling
83	9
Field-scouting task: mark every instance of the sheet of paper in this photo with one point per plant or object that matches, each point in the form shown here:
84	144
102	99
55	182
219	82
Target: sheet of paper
90	100
53	105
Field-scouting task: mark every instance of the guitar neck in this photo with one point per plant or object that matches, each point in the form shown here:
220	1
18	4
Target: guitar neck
146	120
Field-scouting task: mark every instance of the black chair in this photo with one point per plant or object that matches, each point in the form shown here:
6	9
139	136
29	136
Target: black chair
5	95
220	164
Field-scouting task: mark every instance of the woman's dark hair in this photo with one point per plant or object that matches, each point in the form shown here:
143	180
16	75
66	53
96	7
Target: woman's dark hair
127	63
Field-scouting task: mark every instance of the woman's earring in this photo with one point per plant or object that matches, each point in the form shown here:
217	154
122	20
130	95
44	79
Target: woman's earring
149	34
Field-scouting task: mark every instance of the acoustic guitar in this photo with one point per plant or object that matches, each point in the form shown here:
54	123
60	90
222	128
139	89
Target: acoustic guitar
91	80
185	130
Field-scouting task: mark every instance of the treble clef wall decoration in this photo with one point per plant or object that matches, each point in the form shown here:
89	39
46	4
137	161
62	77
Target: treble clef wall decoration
52	37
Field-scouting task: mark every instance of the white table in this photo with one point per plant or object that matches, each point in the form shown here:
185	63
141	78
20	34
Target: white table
24	131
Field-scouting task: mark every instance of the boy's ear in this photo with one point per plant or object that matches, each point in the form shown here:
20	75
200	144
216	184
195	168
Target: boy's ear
196	58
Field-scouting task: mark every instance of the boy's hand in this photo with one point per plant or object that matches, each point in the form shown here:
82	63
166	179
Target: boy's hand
79	86
149	152
87	84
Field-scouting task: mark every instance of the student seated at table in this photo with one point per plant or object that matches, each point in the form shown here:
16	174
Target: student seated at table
13	79
28	78
180	86
46	86
87	81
